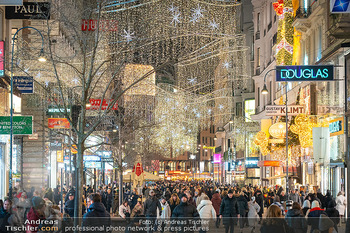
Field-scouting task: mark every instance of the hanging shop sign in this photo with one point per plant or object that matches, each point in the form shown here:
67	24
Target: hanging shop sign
304	73
59	156
92	158
269	163
280	110
57	110
2	58
103	25
28	10
217	158
92	164
24	84
96	104
56	145
34	136
278	130
21	125
74	149
251	162
336	126
339	6
104	154
58	123
11	2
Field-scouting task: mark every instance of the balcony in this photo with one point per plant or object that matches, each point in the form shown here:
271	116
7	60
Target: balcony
257	35
303	13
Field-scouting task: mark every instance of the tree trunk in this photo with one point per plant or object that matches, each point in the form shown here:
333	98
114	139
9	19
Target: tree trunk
79	183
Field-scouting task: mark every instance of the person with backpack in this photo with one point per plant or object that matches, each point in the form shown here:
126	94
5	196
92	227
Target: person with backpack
253	215
296	218
206	212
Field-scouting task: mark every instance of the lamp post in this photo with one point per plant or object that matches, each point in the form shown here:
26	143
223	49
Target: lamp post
264	91
40	59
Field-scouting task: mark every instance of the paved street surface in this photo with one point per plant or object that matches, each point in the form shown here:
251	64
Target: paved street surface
118	223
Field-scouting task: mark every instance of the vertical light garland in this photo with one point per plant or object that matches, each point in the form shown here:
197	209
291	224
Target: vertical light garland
285	32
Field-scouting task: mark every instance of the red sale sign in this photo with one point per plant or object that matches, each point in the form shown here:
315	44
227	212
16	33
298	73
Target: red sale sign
106	104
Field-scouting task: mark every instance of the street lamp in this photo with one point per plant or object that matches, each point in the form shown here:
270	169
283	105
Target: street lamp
40	59
265	92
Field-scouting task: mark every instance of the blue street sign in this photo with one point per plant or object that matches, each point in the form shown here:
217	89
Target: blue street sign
304	73
24	84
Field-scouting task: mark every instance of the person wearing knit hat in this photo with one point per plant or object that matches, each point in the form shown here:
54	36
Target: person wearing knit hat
38	202
313	215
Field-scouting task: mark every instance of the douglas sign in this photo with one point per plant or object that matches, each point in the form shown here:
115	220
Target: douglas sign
304	73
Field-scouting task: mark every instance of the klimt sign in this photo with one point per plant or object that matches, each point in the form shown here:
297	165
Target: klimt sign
304	73
280	110
21	125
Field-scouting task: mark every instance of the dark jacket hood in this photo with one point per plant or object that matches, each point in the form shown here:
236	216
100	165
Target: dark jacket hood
97	206
294	213
241	198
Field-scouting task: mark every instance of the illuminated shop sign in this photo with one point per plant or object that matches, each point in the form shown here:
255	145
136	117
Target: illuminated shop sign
251	162
304	73
339	6
336	126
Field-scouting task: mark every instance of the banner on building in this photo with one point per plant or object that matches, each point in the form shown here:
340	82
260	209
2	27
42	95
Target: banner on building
28	10
21	125
95	104
280	110
25	84
2	58
58	123
336	126
339	6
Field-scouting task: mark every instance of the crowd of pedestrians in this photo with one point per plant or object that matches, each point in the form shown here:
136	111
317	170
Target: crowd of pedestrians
191	206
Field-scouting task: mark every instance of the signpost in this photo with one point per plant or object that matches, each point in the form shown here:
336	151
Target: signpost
22	125
58	123
304	73
25	84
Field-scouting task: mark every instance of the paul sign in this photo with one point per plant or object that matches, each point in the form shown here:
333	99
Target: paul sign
304	73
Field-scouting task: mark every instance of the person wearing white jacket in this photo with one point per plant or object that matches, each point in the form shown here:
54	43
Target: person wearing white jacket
124	210
253	215
165	215
206	212
341	205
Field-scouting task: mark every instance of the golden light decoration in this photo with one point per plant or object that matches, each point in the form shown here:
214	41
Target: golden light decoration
262	141
303	127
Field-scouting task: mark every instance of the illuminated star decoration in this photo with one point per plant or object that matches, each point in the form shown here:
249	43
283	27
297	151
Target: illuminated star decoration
192	80
129	36
38	75
18	61
26	69
197	14
226	65
47	83
340	5
75	81
176	18
221	106
213	24
173	8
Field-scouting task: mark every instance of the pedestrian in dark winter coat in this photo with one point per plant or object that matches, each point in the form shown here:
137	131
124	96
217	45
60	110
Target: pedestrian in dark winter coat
150	207
242	209
97	218
174	201
306	206
69	206
184	212
274	223
296	219
313	215
229	211
35	213
216	201
260	200
333	213
109	200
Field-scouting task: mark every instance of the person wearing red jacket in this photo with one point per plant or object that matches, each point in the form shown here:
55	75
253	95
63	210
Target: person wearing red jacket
35	213
216	201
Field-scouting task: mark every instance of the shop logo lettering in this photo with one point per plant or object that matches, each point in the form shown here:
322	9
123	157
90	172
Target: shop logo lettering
304	73
335	127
